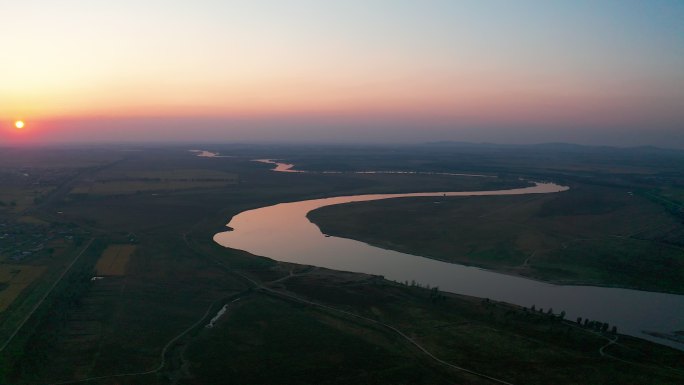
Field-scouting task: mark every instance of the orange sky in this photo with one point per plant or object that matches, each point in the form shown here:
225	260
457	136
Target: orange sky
491	65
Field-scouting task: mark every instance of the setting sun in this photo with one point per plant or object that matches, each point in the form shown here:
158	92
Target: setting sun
19	124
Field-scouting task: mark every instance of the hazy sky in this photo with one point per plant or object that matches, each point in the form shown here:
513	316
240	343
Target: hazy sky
595	71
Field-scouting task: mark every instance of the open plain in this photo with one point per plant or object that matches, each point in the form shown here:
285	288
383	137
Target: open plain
286	323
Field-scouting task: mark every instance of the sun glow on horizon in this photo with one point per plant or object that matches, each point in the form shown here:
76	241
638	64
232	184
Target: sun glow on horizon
431	70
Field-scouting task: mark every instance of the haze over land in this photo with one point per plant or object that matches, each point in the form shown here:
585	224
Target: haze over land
111	268
342	192
589	72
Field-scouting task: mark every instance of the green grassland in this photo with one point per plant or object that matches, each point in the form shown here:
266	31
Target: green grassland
589	234
267	333
147	326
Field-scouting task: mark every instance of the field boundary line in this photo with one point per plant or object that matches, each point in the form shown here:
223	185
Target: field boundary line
36	306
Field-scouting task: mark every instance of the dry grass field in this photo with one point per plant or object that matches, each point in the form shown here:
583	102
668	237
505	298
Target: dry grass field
14	279
19	198
126	181
176	174
114	260
134	186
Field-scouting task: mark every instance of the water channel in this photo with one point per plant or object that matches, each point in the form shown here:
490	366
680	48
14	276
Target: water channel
283	232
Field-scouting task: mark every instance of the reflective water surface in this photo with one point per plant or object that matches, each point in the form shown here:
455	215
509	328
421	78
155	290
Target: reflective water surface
279	167
283	232
289	167
208	154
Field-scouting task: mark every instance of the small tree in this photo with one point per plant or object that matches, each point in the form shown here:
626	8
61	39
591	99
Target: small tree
434	293
579	320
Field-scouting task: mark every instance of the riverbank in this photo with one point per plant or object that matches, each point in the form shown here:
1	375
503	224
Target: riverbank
368	321
148	326
293	238
587	236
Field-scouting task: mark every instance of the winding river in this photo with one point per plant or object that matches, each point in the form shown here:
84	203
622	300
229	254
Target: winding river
284	233
209	154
